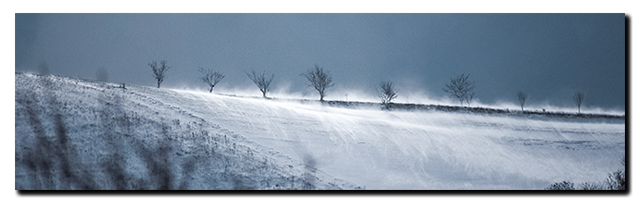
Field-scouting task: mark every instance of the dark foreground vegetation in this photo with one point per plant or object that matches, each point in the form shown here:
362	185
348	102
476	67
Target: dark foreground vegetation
615	181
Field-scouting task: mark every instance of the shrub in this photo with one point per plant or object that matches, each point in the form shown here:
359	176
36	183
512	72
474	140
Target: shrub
591	186
616	181
564	185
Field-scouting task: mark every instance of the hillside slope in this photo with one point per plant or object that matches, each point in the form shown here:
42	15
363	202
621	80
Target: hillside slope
76	134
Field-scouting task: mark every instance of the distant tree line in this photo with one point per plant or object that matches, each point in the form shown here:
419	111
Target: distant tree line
460	87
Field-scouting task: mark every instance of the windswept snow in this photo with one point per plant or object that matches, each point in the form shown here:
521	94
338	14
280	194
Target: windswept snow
150	138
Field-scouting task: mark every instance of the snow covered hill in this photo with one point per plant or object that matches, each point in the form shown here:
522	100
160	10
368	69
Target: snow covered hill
78	134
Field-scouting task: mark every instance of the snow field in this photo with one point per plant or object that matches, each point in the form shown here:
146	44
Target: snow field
199	140
421	150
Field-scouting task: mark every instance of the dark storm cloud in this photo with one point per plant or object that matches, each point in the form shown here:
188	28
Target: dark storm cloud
547	55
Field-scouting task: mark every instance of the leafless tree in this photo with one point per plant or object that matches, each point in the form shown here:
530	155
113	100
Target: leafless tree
319	79
578	98
212	78
461	88
469	98
522	97
261	81
159	72
388	92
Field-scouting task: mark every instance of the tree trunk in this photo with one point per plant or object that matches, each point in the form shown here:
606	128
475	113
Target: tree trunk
158	83
211	89
264	94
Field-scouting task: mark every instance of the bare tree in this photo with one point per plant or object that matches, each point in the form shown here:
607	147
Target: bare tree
159	72
319	79
469	98
388	93
461	88
261	81
578	98
210	77
522	97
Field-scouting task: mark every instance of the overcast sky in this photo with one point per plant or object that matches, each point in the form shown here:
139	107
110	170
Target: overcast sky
548	56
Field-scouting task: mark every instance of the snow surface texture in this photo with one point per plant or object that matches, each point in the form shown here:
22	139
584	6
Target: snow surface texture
78	134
